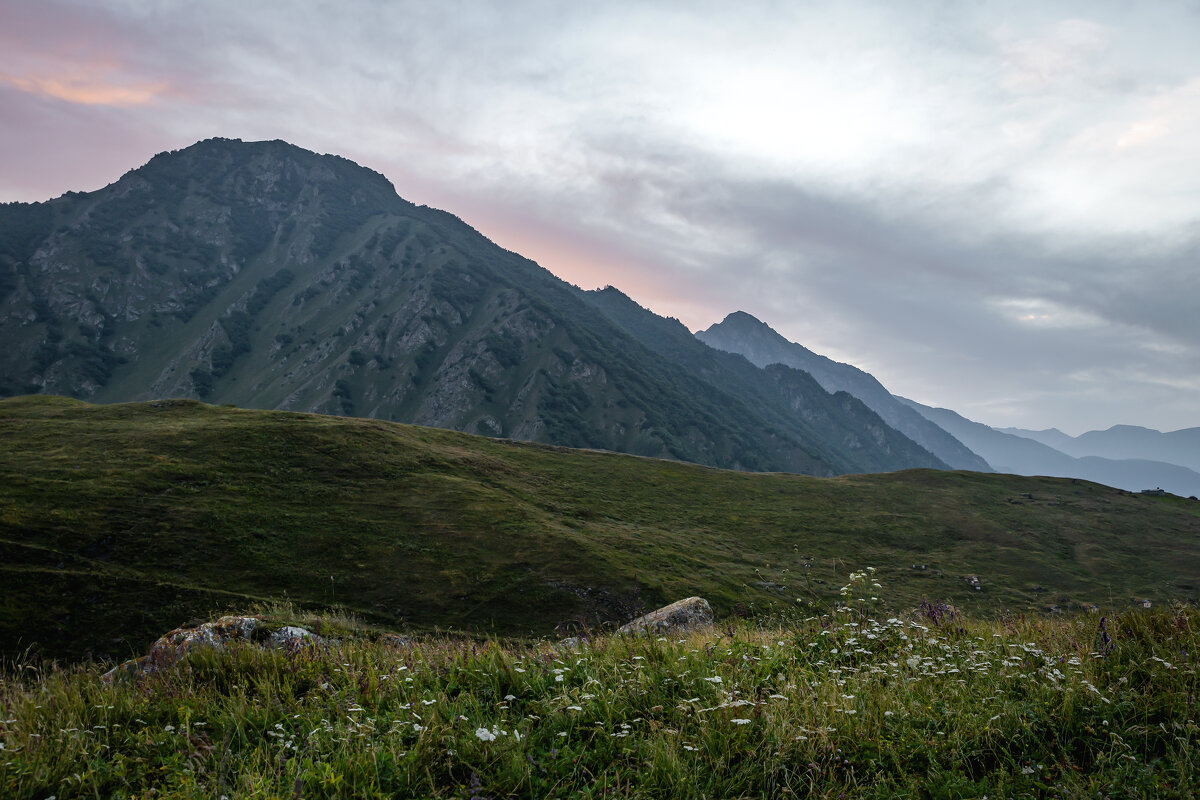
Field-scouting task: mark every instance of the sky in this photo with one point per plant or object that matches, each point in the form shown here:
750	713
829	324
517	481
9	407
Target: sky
990	206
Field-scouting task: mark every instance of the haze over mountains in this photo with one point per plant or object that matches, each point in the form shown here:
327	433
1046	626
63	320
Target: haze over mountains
267	276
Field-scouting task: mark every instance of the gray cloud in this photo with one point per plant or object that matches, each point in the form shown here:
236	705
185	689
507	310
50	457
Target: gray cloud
991	207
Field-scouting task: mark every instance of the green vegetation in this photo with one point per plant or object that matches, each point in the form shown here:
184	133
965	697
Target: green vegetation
120	522
849	703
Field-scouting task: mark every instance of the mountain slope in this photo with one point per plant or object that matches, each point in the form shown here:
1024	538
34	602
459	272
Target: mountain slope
263	275
1022	456
119	522
787	398
741	333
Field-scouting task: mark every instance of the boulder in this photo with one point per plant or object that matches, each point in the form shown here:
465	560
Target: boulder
683	615
172	646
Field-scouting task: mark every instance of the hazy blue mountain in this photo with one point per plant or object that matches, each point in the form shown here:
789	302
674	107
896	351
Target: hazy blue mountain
1180	447
1024	456
267	276
744	334
1051	437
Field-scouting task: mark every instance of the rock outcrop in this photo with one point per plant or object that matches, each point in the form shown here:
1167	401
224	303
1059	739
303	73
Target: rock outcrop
683	615
171	647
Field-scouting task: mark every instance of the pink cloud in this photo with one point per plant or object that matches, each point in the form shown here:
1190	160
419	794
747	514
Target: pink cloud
87	89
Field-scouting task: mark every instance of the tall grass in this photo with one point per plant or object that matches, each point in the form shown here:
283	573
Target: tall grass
854	703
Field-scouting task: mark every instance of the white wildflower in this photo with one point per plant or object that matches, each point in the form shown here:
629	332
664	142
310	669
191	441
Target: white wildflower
485	735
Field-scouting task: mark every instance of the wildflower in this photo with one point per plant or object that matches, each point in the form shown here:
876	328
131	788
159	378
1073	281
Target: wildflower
740	721
714	679
1027	770
485	735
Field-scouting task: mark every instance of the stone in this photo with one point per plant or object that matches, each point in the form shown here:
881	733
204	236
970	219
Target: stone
680	616
291	637
172	646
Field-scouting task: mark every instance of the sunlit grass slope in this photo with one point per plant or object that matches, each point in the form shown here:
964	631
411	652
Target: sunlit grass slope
119	522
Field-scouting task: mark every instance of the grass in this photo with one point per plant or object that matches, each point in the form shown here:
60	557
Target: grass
120	522
856	702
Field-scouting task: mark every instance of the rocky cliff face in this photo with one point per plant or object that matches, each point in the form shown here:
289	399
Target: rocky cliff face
266	276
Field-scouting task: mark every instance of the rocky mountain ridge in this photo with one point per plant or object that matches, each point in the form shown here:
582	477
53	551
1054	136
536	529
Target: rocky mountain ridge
267	276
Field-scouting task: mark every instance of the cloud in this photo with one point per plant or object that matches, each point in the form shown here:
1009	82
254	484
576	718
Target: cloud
992	209
87	89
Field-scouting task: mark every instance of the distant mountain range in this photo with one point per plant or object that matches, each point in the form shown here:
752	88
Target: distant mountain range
1124	456
1024	455
1124	441
267	276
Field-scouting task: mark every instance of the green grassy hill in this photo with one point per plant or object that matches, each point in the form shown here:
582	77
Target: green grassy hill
119	522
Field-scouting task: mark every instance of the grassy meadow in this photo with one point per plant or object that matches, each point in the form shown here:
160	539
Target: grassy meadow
120	522
857	702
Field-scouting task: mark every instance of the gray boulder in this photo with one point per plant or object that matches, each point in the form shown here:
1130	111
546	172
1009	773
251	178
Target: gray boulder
171	647
683	615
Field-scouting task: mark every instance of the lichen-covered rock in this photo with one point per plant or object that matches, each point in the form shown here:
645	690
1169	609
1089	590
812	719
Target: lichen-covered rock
172	646
684	615
291	637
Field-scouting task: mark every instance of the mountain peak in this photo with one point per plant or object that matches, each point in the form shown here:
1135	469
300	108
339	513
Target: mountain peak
741	321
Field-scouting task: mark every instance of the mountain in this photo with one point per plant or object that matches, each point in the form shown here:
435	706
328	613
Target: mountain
1024	456
742	333
1180	447
120	521
786	397
266	276
1051	437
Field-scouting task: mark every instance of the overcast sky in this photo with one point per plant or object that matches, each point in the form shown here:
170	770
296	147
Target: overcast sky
993	207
